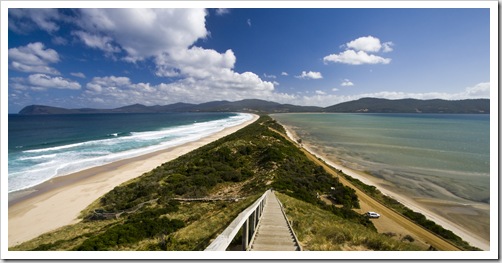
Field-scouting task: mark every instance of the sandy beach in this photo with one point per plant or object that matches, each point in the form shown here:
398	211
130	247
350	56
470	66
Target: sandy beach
450	215
58	202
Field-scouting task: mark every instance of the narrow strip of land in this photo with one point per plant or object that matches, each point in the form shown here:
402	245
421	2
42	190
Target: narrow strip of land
367	201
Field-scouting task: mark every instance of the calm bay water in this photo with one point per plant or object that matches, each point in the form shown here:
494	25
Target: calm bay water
424	155
44	146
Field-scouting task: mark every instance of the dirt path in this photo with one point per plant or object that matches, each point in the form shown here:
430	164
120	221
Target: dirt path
390	221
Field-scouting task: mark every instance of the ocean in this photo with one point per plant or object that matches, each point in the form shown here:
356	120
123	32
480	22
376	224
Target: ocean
41	147
438	156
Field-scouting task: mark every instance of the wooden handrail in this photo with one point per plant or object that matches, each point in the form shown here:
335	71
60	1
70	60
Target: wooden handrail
253	212
290	226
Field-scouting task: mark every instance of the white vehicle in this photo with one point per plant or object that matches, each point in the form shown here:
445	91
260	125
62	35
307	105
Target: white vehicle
373	214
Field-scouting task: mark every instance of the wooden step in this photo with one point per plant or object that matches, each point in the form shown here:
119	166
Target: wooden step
273	232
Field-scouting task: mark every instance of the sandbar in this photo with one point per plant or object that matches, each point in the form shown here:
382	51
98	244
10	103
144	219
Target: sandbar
450	215
58	202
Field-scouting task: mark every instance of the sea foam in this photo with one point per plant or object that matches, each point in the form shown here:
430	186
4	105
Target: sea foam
35	166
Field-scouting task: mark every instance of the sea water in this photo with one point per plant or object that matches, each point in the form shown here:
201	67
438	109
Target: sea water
441	156
45	146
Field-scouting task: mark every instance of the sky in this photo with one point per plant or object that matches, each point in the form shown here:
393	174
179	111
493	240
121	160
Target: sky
107	58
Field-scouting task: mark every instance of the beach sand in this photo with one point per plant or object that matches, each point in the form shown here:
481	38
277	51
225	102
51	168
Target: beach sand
58	202
450	215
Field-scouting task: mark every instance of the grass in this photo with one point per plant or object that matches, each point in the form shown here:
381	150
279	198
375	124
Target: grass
67	237
208	220
321	230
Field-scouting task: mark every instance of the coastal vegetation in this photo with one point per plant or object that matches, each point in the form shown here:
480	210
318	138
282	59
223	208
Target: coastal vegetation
185	203
416	217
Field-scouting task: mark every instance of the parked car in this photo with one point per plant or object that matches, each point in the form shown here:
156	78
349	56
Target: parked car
373	214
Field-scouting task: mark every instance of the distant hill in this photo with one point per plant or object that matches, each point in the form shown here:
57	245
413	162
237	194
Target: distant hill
373	105
368	105
250	105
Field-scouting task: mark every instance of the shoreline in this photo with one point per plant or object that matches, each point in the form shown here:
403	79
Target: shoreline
59	201
416	204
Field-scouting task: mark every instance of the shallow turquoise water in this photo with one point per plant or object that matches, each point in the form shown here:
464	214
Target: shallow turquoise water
443	156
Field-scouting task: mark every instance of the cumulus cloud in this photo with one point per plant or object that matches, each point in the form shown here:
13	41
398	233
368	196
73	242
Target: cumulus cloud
356	58
310	75
320	92
103	43
167	38
357	52
347	83
368	44
195	62
160	30
480	90
284	73
27	18
43	82
117	91
33	57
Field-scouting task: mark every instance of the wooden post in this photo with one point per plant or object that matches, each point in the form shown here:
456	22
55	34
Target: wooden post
252	224
245	235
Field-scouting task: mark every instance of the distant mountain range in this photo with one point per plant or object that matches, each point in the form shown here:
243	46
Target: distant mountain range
364	105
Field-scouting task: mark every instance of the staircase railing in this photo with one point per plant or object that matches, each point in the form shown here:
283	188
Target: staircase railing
247	220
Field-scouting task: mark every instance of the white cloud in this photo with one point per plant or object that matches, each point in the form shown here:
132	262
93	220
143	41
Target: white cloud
347	83
269	76
357	52
34	54
335	89
42	82
387	47
222	11
34	68
320	92
46	19
194	62
78	74
310	75
284	73
94	41
34	57
160	30
119	91
367	44
356	58
477	91
167	38
480	90
249	22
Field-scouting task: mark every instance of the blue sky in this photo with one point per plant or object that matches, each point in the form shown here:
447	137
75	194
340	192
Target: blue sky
106	58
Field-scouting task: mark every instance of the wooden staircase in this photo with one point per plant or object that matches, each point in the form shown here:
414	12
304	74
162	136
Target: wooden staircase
274	232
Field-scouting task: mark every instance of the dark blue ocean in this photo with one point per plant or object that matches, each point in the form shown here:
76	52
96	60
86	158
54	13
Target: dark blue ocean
44	146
